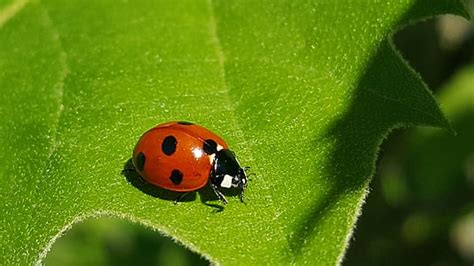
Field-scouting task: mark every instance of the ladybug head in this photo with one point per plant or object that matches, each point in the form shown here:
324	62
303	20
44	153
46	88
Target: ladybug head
227	172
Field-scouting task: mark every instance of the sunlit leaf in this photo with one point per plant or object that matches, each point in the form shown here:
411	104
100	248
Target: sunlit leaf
303	91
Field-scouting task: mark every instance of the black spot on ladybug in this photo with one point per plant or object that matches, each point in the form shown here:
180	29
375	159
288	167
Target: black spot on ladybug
176	177
185	123
140	160
209	146
169	145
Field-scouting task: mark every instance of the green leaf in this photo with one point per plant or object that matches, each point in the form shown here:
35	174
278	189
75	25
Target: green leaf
303	91
422	195
436	163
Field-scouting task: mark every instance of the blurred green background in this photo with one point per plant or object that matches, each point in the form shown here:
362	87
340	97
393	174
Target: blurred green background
420	210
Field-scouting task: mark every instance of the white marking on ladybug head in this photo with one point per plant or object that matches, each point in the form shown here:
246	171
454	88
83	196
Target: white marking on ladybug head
227	181
197	152
219	147
211	158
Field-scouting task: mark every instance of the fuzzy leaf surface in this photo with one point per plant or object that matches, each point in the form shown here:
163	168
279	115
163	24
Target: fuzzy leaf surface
303	91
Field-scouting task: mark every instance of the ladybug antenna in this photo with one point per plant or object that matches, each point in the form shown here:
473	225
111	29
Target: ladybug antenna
249	175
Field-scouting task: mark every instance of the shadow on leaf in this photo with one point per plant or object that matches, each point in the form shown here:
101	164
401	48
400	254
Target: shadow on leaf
380	102
205	194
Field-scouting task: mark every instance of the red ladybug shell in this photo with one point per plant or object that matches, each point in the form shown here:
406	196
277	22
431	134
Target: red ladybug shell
173	156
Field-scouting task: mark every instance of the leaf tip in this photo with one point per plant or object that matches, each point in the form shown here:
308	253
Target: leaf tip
461	10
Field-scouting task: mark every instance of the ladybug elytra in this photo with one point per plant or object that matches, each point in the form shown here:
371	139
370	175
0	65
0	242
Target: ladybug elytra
185	157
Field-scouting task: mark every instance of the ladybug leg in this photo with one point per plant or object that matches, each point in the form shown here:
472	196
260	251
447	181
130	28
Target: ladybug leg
181	197
241	196
128	170
218	194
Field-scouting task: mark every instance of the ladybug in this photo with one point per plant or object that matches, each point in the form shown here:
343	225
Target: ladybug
185	157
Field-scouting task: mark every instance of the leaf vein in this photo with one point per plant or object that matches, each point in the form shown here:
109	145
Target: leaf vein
398	101
60	85
221	62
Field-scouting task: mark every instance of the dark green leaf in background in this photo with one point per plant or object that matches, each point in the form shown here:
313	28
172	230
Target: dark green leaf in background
303	91
421	210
